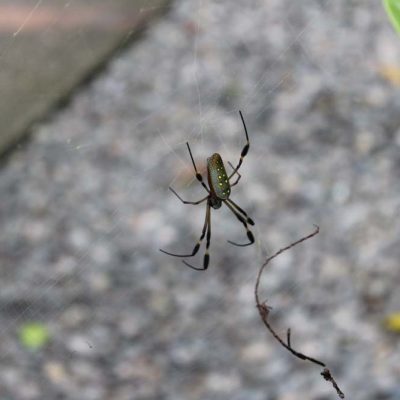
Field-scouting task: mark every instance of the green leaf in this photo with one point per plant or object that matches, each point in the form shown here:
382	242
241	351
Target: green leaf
392	8
34	335
392	322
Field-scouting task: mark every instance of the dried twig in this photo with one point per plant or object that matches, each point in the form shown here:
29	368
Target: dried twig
264	310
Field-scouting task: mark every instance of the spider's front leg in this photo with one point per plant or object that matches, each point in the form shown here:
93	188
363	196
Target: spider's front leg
206	229
197	246
248	219
206	259
244	222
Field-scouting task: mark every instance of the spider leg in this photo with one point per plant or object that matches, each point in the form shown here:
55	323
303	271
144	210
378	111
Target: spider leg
206	254
239	176
196	248
243	221
245	148
184	201
198	176
248	219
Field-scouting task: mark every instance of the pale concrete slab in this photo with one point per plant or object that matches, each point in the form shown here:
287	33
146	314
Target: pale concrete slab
48	48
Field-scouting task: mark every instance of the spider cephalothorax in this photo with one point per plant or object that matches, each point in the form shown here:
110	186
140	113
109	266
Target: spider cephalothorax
218	192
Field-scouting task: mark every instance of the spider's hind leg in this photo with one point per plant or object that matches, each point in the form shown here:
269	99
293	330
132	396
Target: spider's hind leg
198	175
245	148
234	172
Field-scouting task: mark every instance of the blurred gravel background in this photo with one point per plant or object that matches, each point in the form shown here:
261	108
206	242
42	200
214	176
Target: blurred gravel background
84	207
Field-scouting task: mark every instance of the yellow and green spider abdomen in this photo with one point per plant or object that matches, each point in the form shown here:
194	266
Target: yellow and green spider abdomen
217	177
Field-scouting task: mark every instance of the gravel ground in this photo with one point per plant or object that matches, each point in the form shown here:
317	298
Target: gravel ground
85	206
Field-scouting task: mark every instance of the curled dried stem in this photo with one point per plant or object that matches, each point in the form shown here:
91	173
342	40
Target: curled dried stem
264	311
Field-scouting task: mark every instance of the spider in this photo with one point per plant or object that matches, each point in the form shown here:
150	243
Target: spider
218	192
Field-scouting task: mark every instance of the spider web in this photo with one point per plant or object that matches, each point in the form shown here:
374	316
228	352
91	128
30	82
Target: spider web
85	207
